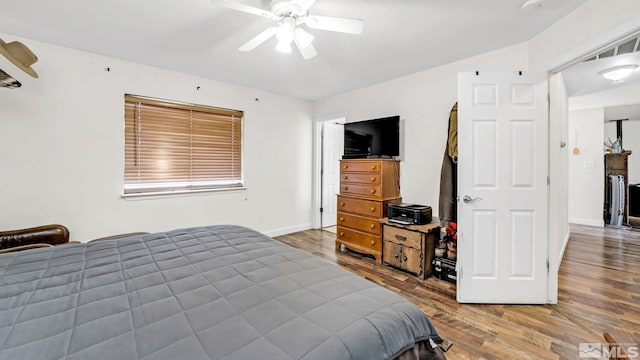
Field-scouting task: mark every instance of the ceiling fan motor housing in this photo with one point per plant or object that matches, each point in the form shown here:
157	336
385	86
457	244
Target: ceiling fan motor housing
286	9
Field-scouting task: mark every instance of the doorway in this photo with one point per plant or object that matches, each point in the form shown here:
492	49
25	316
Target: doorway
603	153
332	149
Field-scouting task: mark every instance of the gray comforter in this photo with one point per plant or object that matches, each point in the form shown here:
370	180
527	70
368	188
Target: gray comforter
219	292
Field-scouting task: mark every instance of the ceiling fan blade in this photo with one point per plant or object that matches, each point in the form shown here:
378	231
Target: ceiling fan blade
258	39
344	25
245	8
307	52
303	4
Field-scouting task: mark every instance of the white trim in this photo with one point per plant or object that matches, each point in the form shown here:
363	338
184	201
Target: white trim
592	46
170	193
563	248
588	222
316	200
288	230
317	181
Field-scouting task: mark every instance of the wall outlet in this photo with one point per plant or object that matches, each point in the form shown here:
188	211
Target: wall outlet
588	164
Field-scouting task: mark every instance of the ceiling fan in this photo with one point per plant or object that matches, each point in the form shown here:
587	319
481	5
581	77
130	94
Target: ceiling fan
289	16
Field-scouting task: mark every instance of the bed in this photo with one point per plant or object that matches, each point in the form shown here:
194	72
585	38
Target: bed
216	292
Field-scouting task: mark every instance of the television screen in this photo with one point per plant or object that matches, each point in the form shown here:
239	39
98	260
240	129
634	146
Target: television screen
372	138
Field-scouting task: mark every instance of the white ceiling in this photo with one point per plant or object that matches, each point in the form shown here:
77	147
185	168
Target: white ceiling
401	37
584	78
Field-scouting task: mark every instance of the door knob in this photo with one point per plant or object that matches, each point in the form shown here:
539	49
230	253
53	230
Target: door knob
468	199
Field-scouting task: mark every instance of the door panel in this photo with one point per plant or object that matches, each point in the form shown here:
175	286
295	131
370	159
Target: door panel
502	170
392	254
412	260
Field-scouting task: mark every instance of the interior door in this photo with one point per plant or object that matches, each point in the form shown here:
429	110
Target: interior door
332	150
502	188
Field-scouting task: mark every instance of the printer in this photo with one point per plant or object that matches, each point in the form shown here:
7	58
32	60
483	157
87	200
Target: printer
409	214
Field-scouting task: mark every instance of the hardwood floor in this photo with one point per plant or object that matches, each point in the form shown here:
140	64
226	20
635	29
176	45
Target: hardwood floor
599	291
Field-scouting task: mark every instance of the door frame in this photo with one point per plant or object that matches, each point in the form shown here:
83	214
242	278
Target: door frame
554	66
316	202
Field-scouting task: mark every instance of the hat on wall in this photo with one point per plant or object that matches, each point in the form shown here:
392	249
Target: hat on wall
20	55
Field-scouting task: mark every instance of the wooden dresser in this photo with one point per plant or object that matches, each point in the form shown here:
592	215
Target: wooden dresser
366	187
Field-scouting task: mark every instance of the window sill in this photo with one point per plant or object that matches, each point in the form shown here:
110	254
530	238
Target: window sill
163	194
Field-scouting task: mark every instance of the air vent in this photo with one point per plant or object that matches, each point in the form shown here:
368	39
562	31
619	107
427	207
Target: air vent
625	47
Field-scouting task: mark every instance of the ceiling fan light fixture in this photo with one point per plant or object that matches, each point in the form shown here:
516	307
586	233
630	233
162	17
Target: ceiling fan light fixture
284	47
285	31
303	38
618	73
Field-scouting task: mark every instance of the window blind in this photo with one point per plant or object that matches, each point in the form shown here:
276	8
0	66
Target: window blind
180	147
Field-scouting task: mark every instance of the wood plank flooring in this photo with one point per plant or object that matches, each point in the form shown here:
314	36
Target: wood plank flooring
599	291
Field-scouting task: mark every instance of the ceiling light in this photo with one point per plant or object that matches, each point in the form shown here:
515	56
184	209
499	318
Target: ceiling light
618	73
531	5
284	47
303	38
284	33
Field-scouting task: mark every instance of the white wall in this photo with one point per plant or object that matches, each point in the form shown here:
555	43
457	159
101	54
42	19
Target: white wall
423	101
596	102
61	150
619	95
586	170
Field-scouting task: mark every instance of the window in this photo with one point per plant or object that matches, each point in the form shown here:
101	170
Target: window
180	147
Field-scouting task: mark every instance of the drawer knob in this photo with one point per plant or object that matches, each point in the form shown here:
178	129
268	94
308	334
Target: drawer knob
346	177
373	167
373	191
396	256
341	234
373	226
373	242
401	238
404	258
372	209
346	188
346	166
373	179
342	204
341	218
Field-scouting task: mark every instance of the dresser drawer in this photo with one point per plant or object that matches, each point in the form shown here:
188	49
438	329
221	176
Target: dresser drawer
371	191
360	166
359	223
363	207
359	241
372	179
403	237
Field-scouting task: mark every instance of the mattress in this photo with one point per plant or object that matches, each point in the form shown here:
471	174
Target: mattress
217	292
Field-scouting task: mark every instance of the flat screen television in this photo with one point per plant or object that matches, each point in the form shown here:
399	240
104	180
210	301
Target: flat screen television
377	138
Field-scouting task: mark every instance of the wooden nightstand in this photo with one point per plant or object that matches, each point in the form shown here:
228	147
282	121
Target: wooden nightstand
409	247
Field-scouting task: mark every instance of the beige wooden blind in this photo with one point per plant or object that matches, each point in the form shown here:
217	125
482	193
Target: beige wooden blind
176	147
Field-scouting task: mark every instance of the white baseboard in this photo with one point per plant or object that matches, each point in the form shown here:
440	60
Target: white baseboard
588	222
288	230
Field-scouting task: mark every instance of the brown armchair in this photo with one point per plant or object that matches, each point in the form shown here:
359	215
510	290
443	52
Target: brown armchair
47	234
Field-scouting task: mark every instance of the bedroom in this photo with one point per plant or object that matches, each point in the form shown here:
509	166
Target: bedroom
62	141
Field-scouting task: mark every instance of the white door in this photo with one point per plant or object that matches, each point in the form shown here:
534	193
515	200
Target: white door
502	188
332	150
